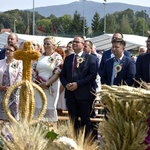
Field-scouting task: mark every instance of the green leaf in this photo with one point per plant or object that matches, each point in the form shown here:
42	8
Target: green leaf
51	135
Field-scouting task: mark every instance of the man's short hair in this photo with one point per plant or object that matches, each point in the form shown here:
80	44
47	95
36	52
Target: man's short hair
121	41
90	43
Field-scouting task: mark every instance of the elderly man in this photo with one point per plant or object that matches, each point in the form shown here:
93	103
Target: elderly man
11	40
142	50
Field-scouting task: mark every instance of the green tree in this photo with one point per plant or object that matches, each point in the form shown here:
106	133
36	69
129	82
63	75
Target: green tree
76	26
45	23
1	26
64	22
55	23
139	27
111	26
96	24
125	25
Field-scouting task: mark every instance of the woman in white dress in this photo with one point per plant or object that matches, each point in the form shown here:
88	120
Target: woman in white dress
47	70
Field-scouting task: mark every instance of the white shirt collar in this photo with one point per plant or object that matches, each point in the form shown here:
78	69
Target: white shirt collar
79	54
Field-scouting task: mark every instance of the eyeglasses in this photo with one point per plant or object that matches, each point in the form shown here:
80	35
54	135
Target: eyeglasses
47	44
69	47
77	42
34	44
10	50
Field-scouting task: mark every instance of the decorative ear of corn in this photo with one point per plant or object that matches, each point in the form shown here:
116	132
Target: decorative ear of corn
126	126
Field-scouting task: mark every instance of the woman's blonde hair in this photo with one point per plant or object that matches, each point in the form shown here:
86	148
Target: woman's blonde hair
51	38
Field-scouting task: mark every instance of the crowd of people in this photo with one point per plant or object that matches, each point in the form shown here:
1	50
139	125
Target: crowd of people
67	76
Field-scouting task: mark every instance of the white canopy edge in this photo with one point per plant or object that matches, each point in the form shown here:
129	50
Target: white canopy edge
103	42
24	37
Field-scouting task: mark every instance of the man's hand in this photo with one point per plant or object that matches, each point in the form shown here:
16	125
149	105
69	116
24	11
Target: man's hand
71	86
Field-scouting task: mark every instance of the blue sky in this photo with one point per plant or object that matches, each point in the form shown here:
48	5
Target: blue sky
28	4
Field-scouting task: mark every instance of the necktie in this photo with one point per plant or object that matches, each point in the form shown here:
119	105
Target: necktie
116	62
74	63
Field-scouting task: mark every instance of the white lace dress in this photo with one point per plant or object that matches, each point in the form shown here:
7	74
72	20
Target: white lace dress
46	67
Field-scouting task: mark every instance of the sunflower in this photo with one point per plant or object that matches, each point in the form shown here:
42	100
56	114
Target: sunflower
80	60
117	69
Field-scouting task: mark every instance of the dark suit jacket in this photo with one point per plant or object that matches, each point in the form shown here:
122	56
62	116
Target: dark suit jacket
2	53
143	68
125	76
107	55
84	75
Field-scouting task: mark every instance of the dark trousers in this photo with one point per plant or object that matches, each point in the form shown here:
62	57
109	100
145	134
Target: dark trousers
80	108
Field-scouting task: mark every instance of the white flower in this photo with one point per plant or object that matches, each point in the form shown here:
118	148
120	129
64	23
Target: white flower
68	141
15	64
80	60
51	59
118	68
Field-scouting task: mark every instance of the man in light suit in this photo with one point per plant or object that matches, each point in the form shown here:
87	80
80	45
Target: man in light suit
108	54
120	69
77	81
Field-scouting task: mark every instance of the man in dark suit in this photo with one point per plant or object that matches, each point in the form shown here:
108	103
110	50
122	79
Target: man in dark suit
120	69
143	66
143	73
77	80
88	47
108	54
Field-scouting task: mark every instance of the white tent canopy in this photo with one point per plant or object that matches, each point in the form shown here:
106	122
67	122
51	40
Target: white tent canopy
103	42
24	37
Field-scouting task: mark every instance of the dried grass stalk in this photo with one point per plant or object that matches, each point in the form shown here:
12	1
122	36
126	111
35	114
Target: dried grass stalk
126	126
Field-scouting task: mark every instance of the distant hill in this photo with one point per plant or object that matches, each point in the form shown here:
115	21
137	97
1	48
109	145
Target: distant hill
90	8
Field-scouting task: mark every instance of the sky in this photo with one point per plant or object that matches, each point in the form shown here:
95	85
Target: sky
28	4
